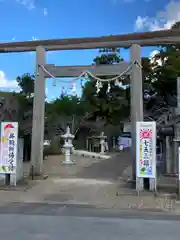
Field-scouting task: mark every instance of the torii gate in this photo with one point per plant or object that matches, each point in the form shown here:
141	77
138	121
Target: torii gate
75	71
134	41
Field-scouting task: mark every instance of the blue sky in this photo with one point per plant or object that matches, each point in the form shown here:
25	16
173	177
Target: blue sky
43	19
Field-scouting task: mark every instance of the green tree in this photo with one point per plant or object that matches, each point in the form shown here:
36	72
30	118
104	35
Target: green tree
66	105
65	110
25	100
113	105
108	56
166	70
26	84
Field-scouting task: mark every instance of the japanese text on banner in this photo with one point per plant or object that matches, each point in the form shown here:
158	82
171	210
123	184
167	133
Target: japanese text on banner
9	136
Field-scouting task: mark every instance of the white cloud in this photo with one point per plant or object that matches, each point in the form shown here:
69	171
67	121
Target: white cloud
162	20
8	85
45	11
141	22
29	4
154	53
154	59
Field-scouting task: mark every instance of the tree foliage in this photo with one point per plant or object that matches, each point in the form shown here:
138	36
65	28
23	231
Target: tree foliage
66	106
26	84
112	106
164	73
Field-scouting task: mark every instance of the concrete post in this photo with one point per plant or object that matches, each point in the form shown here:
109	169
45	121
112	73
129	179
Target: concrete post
37	144
136	103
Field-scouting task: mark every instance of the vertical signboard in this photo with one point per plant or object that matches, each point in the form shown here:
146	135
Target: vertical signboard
146	149
8	151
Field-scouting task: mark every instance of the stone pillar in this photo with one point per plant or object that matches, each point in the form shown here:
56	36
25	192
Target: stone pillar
37	144
176	154
175	148
168	155
102	143
114	142
168	149
177	137
177	129
136	103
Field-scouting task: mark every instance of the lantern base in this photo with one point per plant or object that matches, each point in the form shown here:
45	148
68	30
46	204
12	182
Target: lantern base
68	163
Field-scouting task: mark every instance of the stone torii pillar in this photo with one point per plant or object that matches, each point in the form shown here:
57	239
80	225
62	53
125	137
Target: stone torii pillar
136	104
37	142
176	166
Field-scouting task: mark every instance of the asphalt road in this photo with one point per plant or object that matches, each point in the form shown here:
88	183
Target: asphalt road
20	227
45	221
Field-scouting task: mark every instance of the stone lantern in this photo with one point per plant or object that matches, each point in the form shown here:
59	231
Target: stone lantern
68	146
102	142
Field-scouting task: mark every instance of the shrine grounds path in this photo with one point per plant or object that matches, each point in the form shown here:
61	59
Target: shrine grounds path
90	183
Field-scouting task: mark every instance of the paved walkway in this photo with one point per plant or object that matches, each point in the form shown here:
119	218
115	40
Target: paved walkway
93	182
